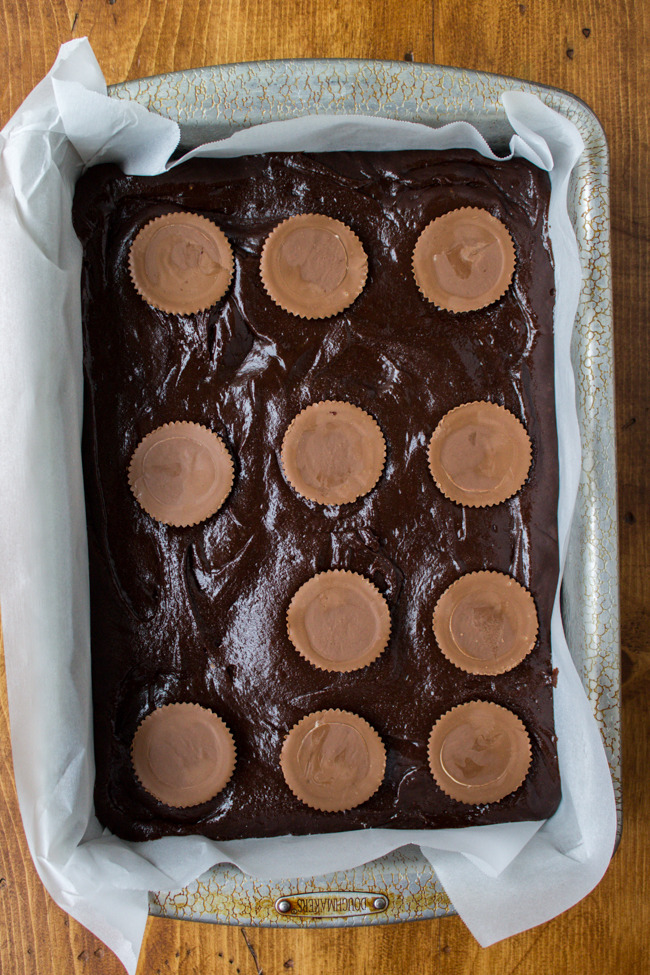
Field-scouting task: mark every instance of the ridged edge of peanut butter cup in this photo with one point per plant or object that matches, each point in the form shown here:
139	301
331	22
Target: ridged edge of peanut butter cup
479	498
225	253
356	271
375	750
456	303
297	628
449	645
509	780
167	792
374	467
164	512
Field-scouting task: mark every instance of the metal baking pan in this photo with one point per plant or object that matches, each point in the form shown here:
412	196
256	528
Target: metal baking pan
212	103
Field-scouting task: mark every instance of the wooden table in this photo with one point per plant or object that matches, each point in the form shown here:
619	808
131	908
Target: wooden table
597	49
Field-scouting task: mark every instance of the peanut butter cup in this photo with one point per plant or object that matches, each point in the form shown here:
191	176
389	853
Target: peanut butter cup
464	260
183	754
485	623
338	621
181	473
313	266
479	454
333	760
479	752
333	452
181	263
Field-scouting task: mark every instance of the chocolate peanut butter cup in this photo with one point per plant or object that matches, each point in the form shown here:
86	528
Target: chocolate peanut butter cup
181	473
183	754
339	621
464	260
479	454
479	752
333	760
181	263
333	452
313	266
485	623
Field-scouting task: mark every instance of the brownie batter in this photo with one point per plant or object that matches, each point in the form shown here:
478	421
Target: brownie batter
198	614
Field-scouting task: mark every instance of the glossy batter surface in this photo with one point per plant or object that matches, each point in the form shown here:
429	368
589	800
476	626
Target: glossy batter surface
199	614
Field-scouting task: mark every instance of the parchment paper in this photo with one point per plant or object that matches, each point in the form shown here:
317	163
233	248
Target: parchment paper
502	879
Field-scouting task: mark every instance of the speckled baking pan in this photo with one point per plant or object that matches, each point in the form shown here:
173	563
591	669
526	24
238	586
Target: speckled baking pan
212	103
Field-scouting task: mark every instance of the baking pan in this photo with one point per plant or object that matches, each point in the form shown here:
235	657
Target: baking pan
214	102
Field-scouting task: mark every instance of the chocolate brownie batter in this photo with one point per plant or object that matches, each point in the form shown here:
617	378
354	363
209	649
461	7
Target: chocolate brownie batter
198	614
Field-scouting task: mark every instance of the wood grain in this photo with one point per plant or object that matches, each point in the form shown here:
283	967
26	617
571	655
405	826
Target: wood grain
599	51
136	38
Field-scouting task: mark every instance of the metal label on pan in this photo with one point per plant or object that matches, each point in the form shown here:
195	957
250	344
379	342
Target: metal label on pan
332	903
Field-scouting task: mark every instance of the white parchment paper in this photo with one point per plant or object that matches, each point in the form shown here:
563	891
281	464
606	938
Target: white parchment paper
502	879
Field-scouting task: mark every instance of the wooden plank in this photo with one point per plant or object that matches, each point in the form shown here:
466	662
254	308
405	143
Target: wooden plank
608	932
133	39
